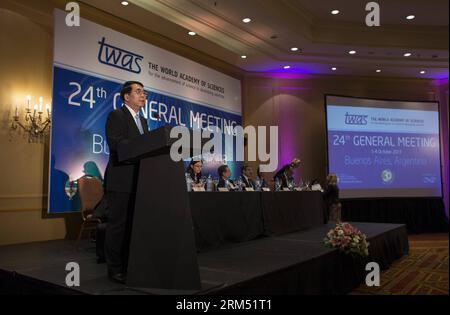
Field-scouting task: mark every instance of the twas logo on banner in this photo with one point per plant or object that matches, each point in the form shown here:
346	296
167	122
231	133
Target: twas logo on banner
355	119
118	57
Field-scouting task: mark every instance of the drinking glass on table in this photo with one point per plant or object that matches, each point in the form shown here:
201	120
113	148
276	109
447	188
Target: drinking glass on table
277	184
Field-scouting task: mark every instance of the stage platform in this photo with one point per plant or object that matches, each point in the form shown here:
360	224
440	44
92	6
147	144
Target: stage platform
294	263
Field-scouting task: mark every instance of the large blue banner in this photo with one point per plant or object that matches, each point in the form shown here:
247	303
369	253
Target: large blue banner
81	103
91	63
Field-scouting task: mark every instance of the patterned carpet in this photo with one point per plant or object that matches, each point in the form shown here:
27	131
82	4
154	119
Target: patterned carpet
423	272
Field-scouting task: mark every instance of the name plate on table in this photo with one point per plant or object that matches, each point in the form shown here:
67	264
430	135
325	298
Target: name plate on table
222	189
286	189
265	189
249	189
298	189
198	188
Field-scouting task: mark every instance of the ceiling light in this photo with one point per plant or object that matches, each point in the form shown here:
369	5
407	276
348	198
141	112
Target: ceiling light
352	52
243	56
294	49
125	3
334	68
423	72
407	54
247	20
192	33
378	71
286	67
411	17
334	12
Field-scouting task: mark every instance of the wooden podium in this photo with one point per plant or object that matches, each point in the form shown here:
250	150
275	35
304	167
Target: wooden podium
162	250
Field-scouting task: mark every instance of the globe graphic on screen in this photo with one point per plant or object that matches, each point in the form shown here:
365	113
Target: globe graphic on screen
387	176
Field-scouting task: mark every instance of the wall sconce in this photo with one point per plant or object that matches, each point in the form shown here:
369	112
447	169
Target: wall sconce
34	122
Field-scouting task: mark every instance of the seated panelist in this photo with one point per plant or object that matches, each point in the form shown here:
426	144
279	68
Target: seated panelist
195	172
246	177
224	178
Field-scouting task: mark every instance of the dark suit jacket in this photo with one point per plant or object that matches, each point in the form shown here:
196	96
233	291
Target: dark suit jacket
121	127
248	183
331	195
221	183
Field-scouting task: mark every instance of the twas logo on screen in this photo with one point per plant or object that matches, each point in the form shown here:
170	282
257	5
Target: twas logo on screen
118	57
351	119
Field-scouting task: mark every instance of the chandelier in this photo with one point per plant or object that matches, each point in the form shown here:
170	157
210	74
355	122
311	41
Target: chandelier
36	123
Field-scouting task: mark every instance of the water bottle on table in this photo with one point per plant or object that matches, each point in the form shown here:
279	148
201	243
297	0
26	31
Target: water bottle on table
209	183
188	182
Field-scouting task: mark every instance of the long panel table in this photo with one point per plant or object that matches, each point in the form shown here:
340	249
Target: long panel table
229	217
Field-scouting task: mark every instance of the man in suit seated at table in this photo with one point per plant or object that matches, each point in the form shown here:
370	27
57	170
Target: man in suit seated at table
246	177
224	178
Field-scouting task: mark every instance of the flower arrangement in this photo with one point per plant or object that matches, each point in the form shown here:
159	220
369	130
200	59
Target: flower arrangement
348	239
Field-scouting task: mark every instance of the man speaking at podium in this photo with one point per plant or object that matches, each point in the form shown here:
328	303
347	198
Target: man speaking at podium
121	178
